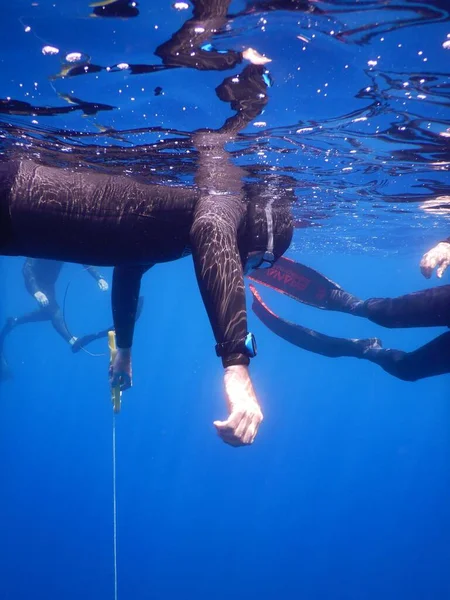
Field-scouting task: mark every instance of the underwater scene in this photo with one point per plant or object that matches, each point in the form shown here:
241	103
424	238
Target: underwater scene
225	300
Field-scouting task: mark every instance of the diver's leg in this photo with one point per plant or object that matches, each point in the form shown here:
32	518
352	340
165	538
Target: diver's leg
326	345
84	340
38	315
5	371
12	322
427	361
427	308
308	339
59	323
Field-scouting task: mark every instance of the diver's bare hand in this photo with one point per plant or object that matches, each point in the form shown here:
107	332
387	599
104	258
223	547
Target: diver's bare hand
120	372
439	257
242	425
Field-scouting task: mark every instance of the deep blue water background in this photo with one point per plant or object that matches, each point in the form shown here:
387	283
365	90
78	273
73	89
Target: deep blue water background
345	495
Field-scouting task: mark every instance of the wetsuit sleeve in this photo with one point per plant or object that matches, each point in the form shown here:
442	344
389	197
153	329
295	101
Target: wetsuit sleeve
126	285
219	270
93	272
29	276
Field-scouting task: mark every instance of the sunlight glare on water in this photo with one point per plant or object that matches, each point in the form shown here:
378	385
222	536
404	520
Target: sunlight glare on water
357	121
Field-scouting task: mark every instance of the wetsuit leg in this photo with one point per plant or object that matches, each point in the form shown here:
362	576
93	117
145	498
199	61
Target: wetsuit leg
40	314
308	339
11	323
5	371
427	361
58	322
427	308
83	341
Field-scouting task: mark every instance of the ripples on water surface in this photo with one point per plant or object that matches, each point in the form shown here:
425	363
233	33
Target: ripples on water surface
358	120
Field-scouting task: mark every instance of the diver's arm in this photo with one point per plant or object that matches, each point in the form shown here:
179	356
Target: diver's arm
219	270
101	281
29	276
125	296
31	282
221	282
126	285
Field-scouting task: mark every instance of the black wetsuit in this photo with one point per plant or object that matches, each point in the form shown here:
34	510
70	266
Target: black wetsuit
426	308
87	217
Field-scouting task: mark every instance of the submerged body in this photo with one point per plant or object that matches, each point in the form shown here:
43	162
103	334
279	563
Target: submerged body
86	217
110	220
91	217
426	308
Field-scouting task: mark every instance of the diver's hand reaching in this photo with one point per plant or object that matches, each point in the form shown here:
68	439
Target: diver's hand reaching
438	257
41	298
120	372
242	425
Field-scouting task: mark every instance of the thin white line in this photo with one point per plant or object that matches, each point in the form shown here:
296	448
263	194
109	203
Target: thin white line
114	505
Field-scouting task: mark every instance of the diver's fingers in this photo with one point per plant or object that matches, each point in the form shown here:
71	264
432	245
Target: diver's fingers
426	271
241	427
125	381
254	421
114	379
231	423
442	268
250	434
245	428
439	256
428	263
226	433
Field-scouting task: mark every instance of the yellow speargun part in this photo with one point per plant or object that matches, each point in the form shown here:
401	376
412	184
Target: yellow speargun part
116	394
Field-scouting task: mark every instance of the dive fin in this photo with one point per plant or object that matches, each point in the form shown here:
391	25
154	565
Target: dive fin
309	339
298	282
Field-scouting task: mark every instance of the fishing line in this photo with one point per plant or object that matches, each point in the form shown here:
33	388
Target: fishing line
114	504
64	316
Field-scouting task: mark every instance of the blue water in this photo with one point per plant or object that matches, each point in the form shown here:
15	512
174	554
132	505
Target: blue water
345	494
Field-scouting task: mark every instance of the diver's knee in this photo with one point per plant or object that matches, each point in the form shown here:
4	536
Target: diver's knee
404	369
395	362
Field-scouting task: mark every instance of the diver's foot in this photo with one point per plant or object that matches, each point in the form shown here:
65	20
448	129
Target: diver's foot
344	302
77	345
371	344
83	341
360	347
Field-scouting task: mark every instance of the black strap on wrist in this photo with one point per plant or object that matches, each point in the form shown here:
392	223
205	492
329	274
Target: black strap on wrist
235	359
245	346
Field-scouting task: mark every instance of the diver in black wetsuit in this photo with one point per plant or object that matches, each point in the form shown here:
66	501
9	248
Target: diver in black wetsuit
40	278
427	308
86	217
